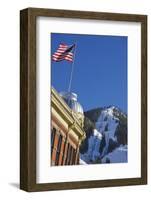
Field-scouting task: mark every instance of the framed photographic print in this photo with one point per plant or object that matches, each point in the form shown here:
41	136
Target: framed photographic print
83	99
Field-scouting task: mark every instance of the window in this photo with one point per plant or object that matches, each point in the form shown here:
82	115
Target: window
58	150
53	133
67	155
63	152
74	156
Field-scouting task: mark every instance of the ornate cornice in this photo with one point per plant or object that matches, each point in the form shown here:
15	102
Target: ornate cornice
66	113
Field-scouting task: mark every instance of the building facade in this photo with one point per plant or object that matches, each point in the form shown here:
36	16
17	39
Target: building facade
66	128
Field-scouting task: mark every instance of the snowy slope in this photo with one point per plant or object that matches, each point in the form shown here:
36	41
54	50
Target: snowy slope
107	124
81	162
93	147
119	155
106	139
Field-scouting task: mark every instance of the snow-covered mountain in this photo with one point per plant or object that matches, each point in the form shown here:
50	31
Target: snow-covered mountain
106	140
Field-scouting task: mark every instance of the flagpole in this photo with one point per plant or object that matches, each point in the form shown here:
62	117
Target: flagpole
72	68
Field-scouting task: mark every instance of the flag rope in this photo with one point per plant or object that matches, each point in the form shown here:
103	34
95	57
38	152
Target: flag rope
72	69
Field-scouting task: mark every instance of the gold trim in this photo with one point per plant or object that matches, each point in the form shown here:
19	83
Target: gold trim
67	114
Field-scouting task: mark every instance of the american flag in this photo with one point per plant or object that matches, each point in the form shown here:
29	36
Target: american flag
64	52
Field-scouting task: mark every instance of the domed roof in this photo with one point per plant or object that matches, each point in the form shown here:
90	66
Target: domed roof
76	107
71	100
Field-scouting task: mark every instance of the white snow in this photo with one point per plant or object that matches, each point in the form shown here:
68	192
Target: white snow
119	155
81	162
107	119
106	125
93	147
97	134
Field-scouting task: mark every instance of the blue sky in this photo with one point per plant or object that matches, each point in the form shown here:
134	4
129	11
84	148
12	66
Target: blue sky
100	69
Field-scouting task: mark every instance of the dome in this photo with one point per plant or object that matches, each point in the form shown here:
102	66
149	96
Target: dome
71	100
76	107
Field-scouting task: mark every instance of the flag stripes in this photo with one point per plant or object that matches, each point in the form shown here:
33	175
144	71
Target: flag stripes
63	53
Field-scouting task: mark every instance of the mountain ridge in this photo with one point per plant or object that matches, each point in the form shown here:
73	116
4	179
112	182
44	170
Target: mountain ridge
110	123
